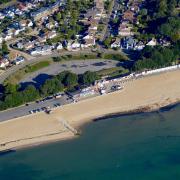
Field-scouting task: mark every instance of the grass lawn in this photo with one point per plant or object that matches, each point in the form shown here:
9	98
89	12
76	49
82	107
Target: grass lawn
112	72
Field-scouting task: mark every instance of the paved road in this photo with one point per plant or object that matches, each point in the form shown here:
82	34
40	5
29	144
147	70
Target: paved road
106	30
77	67
24	110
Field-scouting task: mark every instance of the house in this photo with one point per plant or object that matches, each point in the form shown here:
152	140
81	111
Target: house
51	35
25	45
23	6
88	43
19	12
26	23
35	51
20	45
99	4
45	11
23	23
125	29
2	16
42	39
50	25
152	42
16	32
9	31
29	45
10	14
116	43
19	60
134	7
41	50
29	23
139	46
128	16
4	63
164	42
73	45
7	37
88	37
59	46
128	43
1	39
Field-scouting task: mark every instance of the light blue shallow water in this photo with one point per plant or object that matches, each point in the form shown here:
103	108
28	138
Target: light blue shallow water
133	147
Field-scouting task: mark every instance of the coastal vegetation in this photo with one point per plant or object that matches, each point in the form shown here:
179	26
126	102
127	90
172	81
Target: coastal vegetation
159	19
157	57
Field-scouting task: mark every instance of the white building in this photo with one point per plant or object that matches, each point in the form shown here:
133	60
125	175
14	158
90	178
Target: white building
59	46
116	44
4	63
1	39
19	60
152	42
41	50
73	45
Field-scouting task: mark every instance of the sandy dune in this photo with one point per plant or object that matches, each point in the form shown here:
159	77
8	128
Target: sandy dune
150	92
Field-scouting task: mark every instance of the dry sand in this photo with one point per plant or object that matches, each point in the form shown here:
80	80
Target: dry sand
149	93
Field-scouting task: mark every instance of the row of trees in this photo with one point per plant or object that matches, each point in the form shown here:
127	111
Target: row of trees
14	96
157	57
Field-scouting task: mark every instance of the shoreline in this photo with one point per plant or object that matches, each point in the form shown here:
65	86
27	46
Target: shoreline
148	94
142	110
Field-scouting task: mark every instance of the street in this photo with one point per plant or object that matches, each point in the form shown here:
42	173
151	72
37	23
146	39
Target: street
25	110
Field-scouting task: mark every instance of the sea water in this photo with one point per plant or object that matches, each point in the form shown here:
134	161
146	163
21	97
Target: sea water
133	147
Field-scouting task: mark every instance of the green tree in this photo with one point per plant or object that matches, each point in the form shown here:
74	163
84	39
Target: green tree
30	93
107	42
89	77
51	86
11	88
71	80
171	28
5	49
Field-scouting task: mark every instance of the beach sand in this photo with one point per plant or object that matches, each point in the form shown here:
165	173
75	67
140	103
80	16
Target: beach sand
144	94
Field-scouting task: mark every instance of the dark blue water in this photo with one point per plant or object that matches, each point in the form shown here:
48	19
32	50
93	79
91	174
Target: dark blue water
133	147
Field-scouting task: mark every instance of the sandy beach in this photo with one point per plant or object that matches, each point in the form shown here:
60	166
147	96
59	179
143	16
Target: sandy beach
147	94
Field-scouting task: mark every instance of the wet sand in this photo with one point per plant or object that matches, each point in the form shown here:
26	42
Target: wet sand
144	94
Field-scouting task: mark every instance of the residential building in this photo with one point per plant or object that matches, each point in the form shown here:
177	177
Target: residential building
19	60
4	63
125	29
152	42
41	50
139	46
45	11
116	44
59	46
128	43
